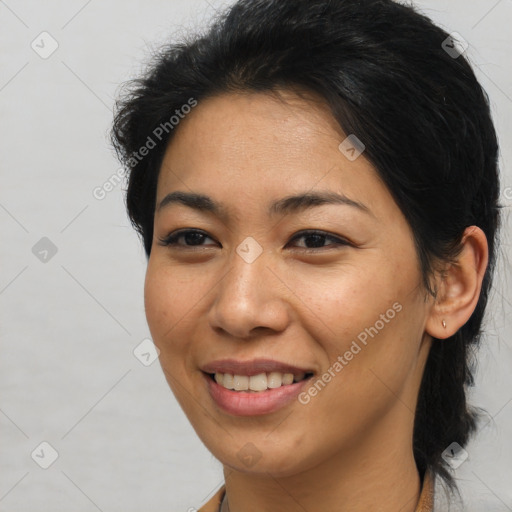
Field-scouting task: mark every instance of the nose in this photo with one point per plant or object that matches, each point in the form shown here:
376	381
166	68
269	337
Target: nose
249	300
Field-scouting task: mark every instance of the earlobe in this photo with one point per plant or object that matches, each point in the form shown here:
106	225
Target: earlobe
459	286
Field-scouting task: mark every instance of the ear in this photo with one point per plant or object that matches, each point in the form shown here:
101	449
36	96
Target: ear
459	286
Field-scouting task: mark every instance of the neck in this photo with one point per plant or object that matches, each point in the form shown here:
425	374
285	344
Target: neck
379	474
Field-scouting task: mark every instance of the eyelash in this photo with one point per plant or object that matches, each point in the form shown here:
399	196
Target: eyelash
172	239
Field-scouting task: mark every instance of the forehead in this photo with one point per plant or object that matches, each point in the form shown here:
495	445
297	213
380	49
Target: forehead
259	145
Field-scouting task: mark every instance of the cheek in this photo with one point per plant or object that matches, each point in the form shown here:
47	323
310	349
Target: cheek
370	317
342	303
158	302
167	302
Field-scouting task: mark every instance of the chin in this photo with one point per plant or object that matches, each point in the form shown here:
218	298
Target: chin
262	457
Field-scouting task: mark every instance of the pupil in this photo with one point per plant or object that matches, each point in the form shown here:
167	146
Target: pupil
318	240
194	238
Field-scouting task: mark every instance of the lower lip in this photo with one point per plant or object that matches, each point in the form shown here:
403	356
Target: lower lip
241	403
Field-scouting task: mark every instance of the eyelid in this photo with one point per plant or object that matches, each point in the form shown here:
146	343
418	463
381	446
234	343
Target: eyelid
166	241
170	240
338	239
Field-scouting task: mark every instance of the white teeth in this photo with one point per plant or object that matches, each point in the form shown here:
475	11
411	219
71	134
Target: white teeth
228	382
287	379
241	382
260	382
274	380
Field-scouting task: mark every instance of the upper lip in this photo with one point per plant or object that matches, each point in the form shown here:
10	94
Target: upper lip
252	367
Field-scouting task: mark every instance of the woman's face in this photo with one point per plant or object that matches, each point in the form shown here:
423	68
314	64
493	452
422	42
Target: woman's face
250	294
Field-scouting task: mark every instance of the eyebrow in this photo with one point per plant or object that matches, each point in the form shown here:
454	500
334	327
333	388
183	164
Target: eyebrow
286	205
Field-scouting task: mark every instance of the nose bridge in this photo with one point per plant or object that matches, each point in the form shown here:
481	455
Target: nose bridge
244	283
246	297
246	265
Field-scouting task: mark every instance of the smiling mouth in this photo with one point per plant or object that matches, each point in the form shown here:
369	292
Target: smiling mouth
258	383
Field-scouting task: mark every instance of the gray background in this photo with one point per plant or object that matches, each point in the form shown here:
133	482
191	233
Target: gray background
69	325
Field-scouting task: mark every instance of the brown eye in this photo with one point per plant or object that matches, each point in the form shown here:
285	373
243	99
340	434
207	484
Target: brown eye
317	239
191	237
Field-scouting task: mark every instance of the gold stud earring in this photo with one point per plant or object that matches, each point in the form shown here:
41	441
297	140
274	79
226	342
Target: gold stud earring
444	324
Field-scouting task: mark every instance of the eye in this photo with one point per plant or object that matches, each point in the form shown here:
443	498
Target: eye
191	237
314	239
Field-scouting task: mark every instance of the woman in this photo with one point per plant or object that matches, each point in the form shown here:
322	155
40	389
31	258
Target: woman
316	185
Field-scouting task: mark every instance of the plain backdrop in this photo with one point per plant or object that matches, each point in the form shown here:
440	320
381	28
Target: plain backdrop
72	270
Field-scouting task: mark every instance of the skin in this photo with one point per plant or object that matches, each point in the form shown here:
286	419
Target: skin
349	448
